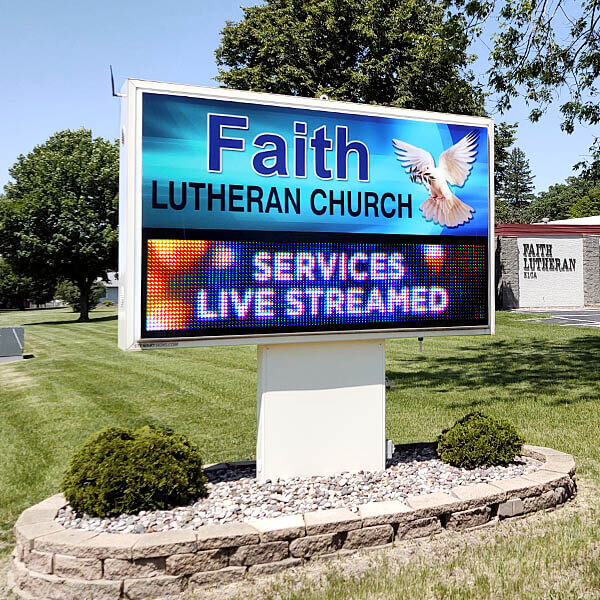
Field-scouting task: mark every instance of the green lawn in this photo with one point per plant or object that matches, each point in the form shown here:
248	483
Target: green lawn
544	378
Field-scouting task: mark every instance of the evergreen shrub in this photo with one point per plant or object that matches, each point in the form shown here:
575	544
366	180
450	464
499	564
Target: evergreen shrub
125	471
479	440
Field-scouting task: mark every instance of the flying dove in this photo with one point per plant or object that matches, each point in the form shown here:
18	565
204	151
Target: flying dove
455	165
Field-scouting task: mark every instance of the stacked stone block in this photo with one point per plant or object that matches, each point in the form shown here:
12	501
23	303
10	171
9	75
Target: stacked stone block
591	269
52	562
507	272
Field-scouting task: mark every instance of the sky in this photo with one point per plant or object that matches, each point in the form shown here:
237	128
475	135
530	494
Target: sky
55	71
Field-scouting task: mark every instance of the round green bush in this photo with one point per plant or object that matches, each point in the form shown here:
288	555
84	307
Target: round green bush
124	471
478	440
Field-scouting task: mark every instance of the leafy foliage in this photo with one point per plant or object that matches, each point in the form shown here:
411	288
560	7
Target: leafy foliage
541	49
555	204
543	46
479	440
397	52
506	212
68	293
17	290
588	206
124	471
59	213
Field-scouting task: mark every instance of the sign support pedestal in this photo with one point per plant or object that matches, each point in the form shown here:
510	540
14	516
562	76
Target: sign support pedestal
321	408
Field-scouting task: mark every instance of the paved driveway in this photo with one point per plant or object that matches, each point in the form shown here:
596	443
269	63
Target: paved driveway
583	317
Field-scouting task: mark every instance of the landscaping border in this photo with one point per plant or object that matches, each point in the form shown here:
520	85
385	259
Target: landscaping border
52	562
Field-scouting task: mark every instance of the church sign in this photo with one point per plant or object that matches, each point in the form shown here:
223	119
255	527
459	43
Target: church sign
249	217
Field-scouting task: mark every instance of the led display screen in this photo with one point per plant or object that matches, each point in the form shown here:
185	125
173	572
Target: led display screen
271	217
215	287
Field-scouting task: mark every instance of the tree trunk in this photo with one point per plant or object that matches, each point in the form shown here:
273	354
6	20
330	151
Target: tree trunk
84	296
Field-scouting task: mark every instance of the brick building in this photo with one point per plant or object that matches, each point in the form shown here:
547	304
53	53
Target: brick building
547	265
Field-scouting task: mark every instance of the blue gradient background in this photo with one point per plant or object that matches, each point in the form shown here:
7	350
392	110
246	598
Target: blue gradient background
174	149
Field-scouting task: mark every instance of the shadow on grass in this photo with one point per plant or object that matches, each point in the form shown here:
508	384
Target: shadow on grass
71	321
34	309
536	366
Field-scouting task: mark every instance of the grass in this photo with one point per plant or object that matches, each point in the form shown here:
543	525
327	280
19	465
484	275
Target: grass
543	378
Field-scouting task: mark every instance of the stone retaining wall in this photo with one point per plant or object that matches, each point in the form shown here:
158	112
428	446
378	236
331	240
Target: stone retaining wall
52	562
507	272
591	269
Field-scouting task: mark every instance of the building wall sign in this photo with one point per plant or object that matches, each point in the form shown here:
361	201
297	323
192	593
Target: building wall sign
539	258
248	215
550	271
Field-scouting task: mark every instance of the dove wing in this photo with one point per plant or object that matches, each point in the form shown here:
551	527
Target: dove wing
414	160
458	160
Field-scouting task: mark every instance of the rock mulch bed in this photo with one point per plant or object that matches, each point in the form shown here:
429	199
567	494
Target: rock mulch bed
51	561
234	494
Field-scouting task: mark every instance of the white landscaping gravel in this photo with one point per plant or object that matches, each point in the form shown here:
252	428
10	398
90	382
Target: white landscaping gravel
234	494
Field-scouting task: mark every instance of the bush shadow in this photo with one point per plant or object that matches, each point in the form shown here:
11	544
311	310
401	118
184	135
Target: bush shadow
230	473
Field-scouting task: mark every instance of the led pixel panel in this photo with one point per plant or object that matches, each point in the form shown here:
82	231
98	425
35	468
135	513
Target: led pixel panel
237	287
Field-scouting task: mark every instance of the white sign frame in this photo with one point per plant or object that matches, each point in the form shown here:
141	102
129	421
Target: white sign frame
130	216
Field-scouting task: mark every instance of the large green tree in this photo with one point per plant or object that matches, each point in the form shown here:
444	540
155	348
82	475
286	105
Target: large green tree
59	212
517	179
505	135
516	190
406	53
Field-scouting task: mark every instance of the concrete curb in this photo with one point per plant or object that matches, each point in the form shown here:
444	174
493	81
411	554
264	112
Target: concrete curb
50	561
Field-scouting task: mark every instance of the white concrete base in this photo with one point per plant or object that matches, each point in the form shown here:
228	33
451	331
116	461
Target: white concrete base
9	359
321	408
